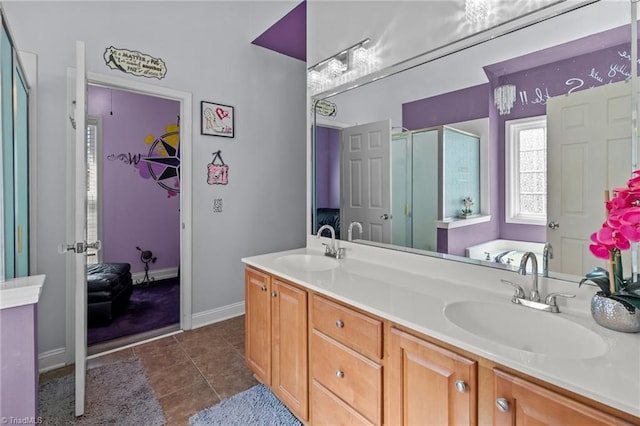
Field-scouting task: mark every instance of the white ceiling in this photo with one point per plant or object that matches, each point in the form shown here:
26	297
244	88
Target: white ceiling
401	30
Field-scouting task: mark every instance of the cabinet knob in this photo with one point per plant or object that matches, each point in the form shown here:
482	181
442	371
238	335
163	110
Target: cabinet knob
273	293
263	288
340	374
339	324
461	386
502	404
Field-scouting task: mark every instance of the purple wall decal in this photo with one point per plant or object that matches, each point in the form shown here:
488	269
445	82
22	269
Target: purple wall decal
136	210
289	35
328	168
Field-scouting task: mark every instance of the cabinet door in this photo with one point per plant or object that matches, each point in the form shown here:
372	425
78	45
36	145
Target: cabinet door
423	388
258	324
524	403
289	332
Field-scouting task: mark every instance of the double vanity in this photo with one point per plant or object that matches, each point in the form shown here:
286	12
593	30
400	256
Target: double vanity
384	337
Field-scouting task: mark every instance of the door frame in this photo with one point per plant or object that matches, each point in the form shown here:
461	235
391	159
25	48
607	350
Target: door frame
186	153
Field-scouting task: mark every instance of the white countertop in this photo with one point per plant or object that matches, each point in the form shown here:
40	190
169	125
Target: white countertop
413	290
21	291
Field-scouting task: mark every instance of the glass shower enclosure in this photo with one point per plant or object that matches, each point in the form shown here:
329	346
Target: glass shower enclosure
433	171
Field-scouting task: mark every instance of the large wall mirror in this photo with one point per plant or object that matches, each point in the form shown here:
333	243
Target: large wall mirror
428	160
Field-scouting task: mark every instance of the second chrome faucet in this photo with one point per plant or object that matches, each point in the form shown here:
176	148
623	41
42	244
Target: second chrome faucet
533	301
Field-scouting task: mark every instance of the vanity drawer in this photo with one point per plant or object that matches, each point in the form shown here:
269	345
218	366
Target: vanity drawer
328	409
352	377
358	331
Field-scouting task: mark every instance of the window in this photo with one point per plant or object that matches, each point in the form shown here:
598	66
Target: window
93	189
526	171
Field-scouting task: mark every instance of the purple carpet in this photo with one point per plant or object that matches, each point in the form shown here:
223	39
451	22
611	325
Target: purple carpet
151	306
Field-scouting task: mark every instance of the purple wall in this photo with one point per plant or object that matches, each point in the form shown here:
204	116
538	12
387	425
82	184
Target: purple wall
18	352
328	167
559	74
289	35
462	105
136	210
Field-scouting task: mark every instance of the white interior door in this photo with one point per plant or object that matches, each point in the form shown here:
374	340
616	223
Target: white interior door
365	152
80	227
588	152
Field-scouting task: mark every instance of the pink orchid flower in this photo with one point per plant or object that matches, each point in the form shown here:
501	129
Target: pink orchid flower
611	238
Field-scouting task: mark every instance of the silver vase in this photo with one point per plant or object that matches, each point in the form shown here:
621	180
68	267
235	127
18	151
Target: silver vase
614	314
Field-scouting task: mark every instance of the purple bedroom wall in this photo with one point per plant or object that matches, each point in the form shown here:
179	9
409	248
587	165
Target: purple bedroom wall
573	66
136	210
327	167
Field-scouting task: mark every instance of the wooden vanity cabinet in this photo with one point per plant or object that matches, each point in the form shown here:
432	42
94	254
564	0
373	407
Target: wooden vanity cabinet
521	402
276	338
333	364
258	324
428	384
346	365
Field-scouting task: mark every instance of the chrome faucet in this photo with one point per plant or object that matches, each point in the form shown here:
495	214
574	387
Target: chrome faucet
350	230
547	253
330	250
535	294
549	304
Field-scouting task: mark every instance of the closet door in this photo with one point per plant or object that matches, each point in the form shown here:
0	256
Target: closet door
8	181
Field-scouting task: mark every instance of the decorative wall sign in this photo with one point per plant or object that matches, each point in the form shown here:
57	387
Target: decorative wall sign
134	63
216	119
161	163
326	108
217	173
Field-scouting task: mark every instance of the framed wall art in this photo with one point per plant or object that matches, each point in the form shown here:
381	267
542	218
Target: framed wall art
216	119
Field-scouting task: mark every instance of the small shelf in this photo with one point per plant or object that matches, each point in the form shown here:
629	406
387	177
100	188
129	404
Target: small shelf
456	222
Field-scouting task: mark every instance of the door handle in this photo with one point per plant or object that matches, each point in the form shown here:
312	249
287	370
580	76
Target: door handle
553	225
19	239
385	217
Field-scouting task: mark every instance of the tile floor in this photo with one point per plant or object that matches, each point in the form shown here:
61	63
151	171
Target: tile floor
189	371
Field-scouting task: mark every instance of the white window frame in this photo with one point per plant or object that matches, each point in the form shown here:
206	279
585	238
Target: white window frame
512	170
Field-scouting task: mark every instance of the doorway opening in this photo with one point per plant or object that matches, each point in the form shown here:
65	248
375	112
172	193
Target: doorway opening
134	209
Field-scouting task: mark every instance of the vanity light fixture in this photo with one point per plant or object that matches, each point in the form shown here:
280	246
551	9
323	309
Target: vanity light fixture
315	80
346	65
476	11
362	57
504	97
335	67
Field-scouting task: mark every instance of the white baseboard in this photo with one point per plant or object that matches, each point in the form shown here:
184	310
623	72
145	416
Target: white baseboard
158	274
50	360
56	358
216	315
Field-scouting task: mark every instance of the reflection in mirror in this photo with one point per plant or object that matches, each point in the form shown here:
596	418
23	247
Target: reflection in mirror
561	73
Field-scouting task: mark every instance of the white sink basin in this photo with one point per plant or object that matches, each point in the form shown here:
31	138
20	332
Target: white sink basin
308	262
526	329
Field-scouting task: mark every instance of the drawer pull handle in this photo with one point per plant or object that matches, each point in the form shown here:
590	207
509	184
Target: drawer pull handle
502	404
340	374
263	288
461	386
273	293
339	324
